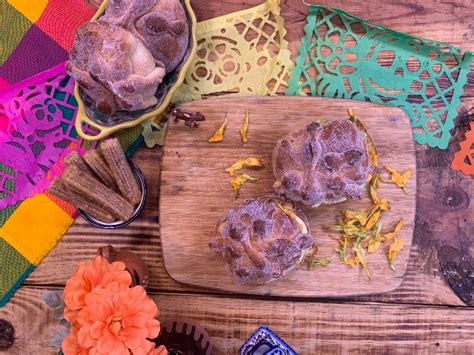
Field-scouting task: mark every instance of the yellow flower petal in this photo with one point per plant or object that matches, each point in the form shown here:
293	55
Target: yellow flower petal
399	226
399	179
361	256
219	135
374	195
238	181
373	219
384	205
394	249
373	246
245	127
352	261
406	176
250	162
369	143
397	229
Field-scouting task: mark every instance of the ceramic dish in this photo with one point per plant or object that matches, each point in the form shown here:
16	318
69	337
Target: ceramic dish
108	124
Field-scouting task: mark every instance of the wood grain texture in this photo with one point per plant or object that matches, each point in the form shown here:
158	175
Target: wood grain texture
195	192
311	328
392	324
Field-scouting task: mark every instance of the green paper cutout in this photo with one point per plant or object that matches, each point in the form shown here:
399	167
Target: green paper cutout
340	50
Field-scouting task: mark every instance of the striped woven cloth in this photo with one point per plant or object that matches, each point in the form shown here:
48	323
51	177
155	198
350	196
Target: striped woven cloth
37	110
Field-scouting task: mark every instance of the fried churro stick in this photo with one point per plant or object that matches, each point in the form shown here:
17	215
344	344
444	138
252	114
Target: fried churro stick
96	191
58	188
100	168
121	171
75	159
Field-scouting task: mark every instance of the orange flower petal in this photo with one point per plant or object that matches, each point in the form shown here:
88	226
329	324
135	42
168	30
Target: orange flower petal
97	329
83	337
108	343
70	345
153	326
132	342
144	348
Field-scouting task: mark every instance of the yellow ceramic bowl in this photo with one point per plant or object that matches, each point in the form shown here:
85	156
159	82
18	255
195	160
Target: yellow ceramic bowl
104	130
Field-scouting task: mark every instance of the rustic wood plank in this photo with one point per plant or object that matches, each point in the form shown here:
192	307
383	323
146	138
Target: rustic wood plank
311	328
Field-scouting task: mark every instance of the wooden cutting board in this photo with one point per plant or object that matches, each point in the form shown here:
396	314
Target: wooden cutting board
196	192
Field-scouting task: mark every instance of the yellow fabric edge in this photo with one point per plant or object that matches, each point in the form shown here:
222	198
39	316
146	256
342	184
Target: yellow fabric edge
35	227
31	9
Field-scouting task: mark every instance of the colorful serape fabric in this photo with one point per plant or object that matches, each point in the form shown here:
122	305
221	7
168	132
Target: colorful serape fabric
34	36
37	110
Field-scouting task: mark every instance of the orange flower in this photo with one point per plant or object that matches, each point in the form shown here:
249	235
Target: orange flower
116	322
70	346
97	274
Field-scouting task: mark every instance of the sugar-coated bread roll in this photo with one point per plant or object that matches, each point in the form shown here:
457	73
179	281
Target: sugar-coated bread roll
324	163
263	239
161	24
114	68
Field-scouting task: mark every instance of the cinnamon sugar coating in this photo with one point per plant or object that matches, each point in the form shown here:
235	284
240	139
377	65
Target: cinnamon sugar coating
259	242
324	163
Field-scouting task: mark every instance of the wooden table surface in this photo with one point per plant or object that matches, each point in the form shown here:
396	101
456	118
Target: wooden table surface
431	312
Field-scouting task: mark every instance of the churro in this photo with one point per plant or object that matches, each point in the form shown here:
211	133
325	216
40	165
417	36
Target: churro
98	165
59	188
93	189
121	171
75	159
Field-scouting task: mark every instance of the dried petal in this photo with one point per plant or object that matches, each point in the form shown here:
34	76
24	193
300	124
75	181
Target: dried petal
344	242
238	181
373	219
384	205
312	261
219	135
406	176
361	256
397	229
376	180
373	155
360	217
394	249
245	127
400	180
369	143
373	245
250	162
352	261
373	195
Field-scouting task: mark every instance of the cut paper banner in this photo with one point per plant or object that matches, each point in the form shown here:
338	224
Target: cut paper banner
243	53
36	128
464	158
344	56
